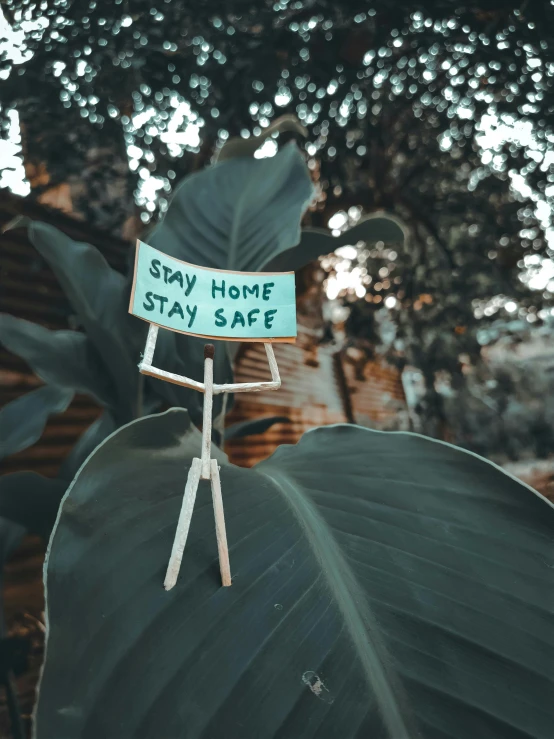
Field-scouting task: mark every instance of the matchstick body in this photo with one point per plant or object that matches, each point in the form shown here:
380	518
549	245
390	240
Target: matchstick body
208	406
220	531
183	524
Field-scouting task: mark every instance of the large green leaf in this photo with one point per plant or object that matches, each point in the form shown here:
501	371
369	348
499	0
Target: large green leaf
64	358
317	242
237	214
97	294
23	420
384	585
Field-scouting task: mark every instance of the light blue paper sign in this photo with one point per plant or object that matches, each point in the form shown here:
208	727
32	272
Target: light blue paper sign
212	303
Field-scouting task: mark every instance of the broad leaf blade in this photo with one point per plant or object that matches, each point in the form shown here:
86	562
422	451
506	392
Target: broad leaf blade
63	358
236	215
349	547
23	420
98	296
317	242
31	501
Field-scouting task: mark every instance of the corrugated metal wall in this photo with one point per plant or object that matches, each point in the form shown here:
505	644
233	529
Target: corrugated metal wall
375	391
309	396
318	388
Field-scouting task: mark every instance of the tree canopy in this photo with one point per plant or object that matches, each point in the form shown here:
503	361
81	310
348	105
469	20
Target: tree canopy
440	113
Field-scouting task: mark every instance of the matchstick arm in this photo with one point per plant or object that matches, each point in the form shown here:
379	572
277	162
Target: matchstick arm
146	368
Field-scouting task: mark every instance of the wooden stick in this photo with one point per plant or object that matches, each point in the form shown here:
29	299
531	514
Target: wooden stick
204	468
246	387
255	387
183	524
170	377
150	344
220	532
273	365
209	351
146	368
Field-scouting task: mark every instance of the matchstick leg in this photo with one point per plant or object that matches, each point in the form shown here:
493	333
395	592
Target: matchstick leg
220	525
183	524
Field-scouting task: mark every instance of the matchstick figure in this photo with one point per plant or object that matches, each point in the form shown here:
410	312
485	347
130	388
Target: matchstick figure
203	467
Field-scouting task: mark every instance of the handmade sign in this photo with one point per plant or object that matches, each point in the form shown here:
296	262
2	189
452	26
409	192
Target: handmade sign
236	306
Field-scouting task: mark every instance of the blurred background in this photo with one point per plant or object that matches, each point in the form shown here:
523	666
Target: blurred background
438	113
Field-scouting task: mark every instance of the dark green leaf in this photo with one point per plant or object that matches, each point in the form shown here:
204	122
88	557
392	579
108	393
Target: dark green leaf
98	296
88	441
257	426
23	420
317	242
238	214
64	358
31	501
235	215
384	585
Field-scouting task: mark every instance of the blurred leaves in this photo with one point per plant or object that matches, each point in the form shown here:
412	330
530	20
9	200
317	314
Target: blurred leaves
431	113
318	242
96	293
239	147
63	358
23	420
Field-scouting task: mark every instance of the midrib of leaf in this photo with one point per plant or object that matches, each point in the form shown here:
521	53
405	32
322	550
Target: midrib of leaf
235	226
351	603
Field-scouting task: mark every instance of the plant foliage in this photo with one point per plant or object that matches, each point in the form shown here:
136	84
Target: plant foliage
384	585
242	213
